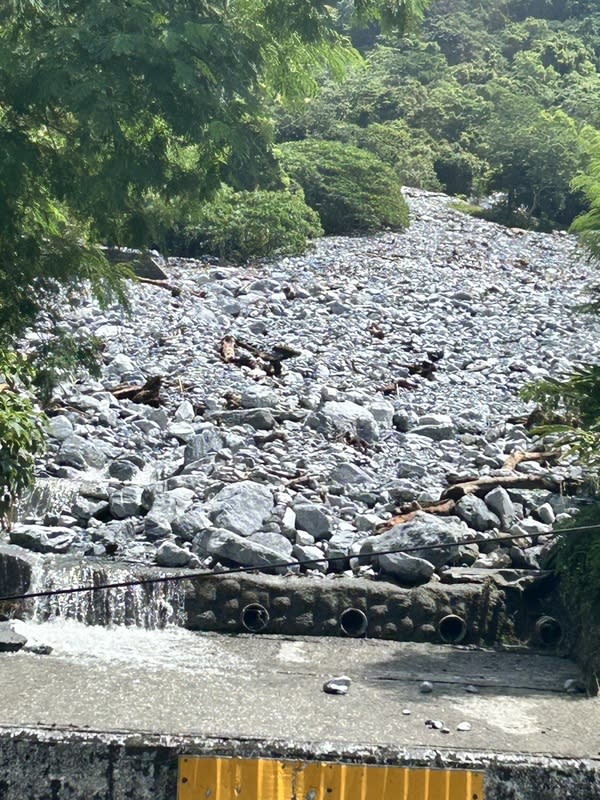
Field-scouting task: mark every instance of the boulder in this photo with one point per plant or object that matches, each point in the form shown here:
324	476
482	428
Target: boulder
312	519
498	501
43	539
210	440
241	507
242	550
10	640
126	502
170	555
189	524
476	513
424	529
346	474
335	418
80	453
406	568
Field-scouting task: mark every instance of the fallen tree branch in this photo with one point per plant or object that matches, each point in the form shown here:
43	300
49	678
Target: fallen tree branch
175	290
486	483
148	394
550	456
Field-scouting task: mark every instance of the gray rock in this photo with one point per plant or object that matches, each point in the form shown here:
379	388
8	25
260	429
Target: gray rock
546	514
438	431
60	427
261	419
170	555
259	397
189	524
346	474
406	568
274	541
126	502
185	412
336	418
308	552
312	519
10	640
183	431
211	440
383	412
122	469
339	546
80	453
424	529
157	527
498	501
476	513
44	539
242	550
241	507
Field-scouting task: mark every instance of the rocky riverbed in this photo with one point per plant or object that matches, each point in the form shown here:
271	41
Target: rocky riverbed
404	354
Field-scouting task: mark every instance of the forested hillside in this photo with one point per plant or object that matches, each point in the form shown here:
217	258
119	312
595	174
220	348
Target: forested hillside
487	97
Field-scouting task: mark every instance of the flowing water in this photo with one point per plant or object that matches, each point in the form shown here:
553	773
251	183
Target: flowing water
149	606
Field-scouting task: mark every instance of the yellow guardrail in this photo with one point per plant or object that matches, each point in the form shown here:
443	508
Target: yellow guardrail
202	778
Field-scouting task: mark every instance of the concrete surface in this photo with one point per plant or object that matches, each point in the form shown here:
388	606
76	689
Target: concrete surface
181	683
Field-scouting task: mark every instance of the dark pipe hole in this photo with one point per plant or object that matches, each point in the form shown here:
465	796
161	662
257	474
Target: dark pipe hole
255	617
353	622
452	629
549	632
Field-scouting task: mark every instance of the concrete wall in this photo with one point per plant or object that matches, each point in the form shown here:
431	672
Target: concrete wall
74	765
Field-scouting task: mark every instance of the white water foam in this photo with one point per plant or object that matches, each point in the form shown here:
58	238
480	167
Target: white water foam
149	605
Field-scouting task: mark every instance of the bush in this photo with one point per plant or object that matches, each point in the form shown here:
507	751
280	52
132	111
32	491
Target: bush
352	190
576	560
21	431
240	225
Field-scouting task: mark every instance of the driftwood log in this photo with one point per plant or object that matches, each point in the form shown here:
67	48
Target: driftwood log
175	290
243	354
446	505
149	393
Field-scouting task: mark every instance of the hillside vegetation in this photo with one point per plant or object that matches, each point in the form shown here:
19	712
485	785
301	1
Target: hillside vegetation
500	97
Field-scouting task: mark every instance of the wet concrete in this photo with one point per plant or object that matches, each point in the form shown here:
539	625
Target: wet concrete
177	682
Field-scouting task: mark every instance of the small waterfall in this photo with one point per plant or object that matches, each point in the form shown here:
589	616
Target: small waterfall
48	497
149	606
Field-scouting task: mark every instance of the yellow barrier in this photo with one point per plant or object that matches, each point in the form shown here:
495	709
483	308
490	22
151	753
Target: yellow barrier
264	779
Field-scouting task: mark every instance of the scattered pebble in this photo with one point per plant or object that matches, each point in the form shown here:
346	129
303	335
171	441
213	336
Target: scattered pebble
463	726
339	685
426	687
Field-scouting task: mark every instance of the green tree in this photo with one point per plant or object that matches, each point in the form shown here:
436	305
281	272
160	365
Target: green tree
351	189
110	108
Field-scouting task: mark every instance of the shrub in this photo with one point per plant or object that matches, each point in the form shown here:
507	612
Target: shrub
352	190
240	225
576	560
21	431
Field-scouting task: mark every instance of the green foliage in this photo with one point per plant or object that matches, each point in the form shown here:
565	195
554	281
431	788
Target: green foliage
576	560
588	182
21	431
534	155
575	400
242	225
500	94
117	120
352	190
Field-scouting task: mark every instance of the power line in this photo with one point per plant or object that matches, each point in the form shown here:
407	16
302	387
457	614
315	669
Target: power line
205	574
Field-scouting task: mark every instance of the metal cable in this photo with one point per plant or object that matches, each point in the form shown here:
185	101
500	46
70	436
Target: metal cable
282	565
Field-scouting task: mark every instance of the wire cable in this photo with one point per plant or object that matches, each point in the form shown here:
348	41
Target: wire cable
205	574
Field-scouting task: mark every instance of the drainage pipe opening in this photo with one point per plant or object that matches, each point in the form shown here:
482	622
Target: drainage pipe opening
452	629
548	631
353	622
255	617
